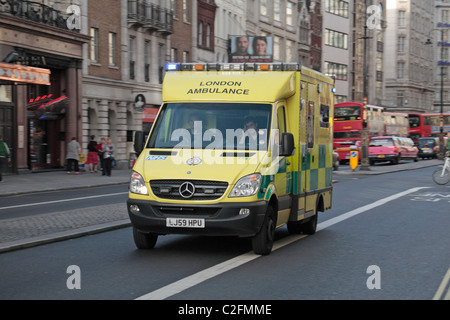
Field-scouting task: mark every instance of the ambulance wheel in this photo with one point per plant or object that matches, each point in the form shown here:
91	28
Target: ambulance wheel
310	226
144	240
262	242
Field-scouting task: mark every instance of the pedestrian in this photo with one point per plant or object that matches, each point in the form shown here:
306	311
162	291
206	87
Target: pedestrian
108	155
92	158
99	148
73	156
4	156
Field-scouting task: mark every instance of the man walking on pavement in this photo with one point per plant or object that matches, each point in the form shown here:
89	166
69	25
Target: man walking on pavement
73	155
4	156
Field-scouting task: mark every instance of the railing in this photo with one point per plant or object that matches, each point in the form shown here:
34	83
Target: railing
39	12
150	16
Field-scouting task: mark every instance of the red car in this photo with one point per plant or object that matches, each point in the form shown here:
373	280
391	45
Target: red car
392	149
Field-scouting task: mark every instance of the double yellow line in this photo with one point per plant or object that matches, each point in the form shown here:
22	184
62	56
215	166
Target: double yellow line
443	292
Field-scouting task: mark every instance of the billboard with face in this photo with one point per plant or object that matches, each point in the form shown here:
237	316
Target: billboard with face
251	48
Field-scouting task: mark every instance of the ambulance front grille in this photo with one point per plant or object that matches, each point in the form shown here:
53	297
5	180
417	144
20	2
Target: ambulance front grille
203	189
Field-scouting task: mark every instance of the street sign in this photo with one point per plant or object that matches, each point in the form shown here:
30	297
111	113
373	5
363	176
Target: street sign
354	157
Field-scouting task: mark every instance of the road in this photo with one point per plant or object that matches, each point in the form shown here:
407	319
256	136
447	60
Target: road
30	204
386	237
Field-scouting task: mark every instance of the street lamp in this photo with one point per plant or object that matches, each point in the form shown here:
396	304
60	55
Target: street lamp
441	122
365	165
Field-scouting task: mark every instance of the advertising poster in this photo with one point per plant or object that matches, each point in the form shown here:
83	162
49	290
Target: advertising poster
251	48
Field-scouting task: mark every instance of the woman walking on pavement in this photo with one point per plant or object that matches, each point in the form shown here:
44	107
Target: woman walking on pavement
92	158
73	156
99	148
108	156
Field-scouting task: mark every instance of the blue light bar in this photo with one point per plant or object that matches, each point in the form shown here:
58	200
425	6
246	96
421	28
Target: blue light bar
171	67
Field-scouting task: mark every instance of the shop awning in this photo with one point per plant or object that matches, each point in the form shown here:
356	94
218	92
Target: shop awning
47	109
24	74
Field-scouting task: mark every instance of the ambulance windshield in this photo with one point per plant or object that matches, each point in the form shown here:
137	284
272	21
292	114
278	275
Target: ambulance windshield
230	126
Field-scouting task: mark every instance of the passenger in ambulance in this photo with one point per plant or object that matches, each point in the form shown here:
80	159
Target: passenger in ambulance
250	131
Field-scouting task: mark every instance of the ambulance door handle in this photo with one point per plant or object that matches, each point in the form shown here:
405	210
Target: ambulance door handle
288	163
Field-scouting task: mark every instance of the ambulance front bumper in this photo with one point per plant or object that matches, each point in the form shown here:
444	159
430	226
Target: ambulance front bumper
224	219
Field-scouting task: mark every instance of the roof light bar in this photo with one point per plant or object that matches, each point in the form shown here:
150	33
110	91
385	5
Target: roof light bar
233	66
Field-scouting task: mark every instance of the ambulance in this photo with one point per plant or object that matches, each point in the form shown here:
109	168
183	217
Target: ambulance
235	150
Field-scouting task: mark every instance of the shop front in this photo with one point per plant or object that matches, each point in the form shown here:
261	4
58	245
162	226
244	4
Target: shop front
13	76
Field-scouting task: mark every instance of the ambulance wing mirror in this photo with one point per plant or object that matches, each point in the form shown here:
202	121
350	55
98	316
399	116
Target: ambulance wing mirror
287	147
139	142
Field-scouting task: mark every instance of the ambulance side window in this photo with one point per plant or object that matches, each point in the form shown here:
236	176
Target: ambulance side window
281	122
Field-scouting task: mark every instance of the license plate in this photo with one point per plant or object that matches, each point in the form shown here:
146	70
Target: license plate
185	223
381	156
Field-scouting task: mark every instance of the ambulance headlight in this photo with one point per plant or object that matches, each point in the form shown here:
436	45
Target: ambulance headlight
246	186
137	184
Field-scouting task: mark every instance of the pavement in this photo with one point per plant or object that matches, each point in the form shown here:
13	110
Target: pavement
23	232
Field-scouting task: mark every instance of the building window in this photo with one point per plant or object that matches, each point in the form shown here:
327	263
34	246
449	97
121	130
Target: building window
208	35
200	33
94	45
337	7
401	18
132	57
173	6
445	16
289	14
147	48
401	44
277	10
173	55
161	61
277	48
185	11
339	71
400	70
112	48
400	98
336	39
185	56
263	8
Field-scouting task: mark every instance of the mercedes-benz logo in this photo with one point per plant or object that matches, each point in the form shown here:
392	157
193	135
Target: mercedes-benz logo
187	190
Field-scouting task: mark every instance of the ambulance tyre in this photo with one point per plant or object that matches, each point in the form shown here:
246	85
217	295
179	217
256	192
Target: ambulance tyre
144	240
310	226
262	242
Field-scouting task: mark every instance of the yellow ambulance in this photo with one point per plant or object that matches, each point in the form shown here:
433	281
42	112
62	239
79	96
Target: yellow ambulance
235	150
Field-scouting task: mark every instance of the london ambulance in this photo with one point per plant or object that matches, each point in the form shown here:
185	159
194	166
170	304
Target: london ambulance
235	150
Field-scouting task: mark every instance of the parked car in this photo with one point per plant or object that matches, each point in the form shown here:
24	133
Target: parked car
335	160
428	147
393	149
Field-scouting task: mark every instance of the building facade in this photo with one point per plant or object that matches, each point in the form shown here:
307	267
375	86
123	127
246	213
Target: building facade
441	60
36	119
409	66
124	69
368	35
336	56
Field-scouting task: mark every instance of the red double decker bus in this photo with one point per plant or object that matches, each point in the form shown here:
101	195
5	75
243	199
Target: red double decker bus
348	123
422	125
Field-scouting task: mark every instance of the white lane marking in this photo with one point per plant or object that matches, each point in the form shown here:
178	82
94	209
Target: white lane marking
445	282
199	277
63	200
